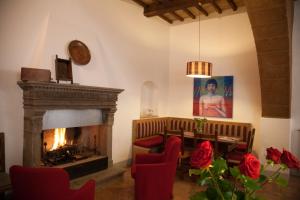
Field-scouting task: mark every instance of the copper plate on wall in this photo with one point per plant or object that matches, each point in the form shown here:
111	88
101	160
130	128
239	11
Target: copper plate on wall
79	52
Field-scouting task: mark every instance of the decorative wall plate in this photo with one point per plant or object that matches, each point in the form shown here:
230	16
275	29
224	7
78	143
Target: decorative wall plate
79	52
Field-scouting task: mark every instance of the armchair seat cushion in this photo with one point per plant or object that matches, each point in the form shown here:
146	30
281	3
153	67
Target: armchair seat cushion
150	142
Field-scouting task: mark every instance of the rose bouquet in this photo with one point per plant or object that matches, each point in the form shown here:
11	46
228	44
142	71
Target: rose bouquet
239	182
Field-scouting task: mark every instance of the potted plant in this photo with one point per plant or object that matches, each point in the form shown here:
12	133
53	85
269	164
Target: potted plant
200	124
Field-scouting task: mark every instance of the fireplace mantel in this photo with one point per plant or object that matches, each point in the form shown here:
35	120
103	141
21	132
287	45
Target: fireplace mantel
41	96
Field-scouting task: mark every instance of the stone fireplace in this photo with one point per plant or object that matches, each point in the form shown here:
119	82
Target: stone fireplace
40	98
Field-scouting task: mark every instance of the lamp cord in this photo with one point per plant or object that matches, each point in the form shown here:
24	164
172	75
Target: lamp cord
199	41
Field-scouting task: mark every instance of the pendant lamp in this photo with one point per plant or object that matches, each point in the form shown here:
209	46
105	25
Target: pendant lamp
199	69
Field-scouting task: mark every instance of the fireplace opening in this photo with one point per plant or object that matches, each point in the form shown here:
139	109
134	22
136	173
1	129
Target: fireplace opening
73	148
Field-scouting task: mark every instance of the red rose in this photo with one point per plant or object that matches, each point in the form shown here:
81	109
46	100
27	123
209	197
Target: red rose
202	156
290	160
273	154
250	166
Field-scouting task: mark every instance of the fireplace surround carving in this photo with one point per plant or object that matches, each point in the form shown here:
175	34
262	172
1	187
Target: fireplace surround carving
40	97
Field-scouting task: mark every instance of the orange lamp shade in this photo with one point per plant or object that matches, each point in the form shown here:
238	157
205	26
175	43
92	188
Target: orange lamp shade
199	69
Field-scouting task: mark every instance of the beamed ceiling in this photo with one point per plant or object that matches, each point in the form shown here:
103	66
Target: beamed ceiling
179	10
271	22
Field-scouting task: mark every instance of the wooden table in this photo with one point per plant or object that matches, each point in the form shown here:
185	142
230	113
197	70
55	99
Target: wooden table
4	184
229	141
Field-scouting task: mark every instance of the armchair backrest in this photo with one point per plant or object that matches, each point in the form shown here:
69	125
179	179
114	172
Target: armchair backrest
172	149
172	152
39	183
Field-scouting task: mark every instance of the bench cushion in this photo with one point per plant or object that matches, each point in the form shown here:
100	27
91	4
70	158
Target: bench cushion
150	142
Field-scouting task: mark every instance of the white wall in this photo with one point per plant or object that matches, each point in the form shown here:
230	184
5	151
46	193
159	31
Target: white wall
228	43
126	48
295	109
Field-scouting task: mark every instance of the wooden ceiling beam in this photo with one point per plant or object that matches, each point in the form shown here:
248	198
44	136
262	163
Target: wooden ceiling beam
160	9
166	19
140	2
232	5
189	13
177	16
216	6
201	9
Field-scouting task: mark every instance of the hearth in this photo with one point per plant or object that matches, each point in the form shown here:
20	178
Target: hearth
78	149
68	145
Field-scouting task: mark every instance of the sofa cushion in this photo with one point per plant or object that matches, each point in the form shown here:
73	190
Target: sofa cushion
150	142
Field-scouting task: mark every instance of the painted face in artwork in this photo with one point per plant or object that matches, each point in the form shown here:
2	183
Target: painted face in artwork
211	88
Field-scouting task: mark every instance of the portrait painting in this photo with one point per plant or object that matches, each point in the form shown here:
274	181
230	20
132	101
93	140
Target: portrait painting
213	97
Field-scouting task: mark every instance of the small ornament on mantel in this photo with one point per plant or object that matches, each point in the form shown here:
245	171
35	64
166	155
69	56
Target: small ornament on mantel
63	69
35	74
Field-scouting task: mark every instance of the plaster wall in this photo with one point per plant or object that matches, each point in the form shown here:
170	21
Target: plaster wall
126	50
295	108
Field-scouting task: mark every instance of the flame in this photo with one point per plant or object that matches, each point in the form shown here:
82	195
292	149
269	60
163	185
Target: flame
59	138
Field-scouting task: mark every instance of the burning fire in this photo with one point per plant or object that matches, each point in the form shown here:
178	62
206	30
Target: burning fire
59	138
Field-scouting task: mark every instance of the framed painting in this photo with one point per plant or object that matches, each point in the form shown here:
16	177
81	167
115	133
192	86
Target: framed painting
213	97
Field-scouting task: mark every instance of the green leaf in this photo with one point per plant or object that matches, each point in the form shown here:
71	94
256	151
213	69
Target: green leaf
240	195
262	168
211	193
229	196
270	162
281	181
262	178
204	181
225	185
251	184
199	196
195	172
234	171
220	166
283	166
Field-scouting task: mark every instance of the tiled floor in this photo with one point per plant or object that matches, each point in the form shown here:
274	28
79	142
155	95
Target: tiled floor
122	188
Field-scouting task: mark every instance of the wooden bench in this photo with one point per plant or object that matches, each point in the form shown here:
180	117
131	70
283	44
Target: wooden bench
145	130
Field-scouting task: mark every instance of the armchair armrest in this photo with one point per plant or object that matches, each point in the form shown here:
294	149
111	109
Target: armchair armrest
149	158
153	181
86	192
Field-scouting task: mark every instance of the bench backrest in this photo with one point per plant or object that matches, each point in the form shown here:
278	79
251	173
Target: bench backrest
224	128
143	128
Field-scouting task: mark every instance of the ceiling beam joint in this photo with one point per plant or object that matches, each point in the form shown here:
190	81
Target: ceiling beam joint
160	9
232	5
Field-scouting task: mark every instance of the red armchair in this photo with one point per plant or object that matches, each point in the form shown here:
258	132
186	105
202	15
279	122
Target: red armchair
46	184
154	173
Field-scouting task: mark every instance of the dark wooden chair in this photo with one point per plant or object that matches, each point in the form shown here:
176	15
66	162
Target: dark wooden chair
185	150
211	137
236	155
179	133
2	153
